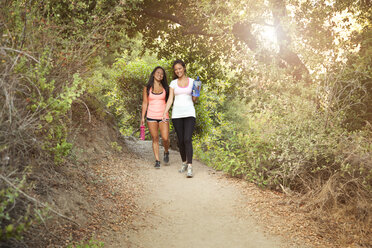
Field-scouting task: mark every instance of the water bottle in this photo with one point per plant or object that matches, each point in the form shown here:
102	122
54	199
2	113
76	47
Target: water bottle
142	136
196	87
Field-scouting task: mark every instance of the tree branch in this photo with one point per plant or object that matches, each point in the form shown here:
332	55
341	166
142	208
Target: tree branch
242	31
278	10
189	29
164	16
20	52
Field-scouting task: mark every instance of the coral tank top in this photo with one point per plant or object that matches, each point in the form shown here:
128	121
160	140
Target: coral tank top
156	106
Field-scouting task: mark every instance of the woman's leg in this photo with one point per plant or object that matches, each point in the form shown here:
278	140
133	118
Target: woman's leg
179	126
164	132
154	131
189	124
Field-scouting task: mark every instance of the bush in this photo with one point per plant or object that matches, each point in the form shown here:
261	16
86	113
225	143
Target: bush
46	48
90	244
12	226
280	139
120	88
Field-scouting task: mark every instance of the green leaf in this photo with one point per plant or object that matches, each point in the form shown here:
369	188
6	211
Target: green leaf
49	118
9	228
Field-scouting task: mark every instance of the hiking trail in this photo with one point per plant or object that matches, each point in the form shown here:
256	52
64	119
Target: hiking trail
208	210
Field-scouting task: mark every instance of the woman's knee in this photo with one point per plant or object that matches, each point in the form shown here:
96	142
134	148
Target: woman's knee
165	139
155	139
187	140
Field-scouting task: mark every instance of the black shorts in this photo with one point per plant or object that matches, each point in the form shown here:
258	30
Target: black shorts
155	120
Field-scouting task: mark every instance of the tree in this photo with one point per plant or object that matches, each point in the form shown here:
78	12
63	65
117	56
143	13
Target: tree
216	29
232	31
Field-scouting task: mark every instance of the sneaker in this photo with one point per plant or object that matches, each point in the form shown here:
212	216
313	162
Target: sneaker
166	157
183	168
189	171
157	164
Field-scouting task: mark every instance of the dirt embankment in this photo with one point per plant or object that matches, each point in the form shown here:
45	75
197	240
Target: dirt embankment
95	188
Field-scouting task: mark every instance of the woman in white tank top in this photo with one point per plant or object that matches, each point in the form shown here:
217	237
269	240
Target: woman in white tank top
183	113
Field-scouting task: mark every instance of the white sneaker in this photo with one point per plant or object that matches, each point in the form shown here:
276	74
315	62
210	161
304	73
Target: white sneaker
183	168
189	171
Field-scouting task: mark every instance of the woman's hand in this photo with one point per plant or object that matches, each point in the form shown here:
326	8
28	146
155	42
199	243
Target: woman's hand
142	121
164	117
169	103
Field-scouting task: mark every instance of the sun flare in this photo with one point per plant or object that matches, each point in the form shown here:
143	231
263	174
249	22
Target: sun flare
268	35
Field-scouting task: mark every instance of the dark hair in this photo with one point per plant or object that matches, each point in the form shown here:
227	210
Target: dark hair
164	82
178	61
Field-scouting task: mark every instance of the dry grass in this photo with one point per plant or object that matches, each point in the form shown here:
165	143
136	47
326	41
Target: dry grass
342	209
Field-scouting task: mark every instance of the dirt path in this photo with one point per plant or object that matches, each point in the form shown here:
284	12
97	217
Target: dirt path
176	211
117	196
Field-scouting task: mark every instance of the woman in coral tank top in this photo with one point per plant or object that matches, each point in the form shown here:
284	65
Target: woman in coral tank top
155	96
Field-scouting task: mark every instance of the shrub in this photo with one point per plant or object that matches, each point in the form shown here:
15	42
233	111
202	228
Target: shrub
120	88
12	226
46	48
280	138
90	244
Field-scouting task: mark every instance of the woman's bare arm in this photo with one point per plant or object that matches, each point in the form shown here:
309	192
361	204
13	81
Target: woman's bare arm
169	102
144	106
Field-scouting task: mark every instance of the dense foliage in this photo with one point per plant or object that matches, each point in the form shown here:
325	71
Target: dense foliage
46	48
120	88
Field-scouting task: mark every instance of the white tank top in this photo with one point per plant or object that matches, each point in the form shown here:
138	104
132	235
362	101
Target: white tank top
183	105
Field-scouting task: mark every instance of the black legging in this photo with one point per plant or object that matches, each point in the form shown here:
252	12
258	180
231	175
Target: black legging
184	128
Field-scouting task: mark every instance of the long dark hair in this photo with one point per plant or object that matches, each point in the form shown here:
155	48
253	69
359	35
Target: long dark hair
178	61
164	82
